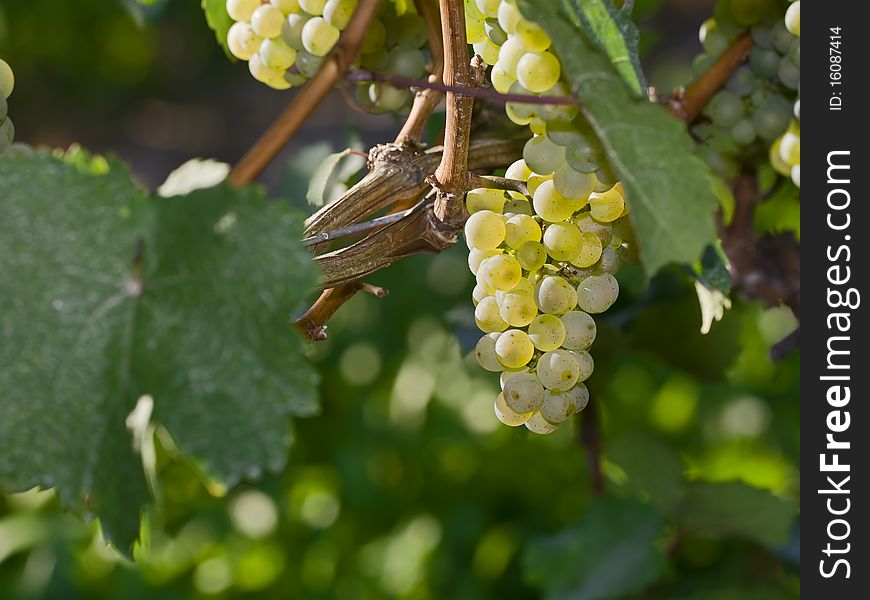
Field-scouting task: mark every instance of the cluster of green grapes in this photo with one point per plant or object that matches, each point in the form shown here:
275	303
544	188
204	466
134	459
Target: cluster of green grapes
756	105
785	152
285	42
7	129
545	261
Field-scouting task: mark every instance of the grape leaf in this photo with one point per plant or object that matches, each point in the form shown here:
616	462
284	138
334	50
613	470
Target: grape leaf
219	21
736	509
651	467
608	554
616	35
107	294
668	188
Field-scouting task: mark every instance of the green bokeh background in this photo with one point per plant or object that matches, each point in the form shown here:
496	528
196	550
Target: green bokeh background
405	486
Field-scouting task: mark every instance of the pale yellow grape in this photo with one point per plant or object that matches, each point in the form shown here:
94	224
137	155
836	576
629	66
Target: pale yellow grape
487	317
796	175
481	291
523	392
562	240
474	31
534	181
550	205
585	362
790	148
538	71
242	10
475	257
610	260
775	158
509	55
517	310
508	374
587	224
508	17
580	330
339	12
7	79
532	256
540	425
267	21
488	7
242	41
538	126
547	332
514	116
264	74
276	54
597	293
514	348
557	406
480	199
573	184
793	19
558	370
524	286
532	35
518	170
555	296
286	6
484	230
520	229
485	354
312	7
502	272
487	51
589	252
507	415
518	207
607	206
501	80
580	395
319	36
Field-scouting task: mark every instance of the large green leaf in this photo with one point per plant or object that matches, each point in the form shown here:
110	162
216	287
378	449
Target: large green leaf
218	20
667	186
616	35
106	295
608	554
736	509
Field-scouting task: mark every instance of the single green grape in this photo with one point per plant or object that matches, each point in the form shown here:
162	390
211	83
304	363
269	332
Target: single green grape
547	332
319	36
242	10
267	21
554	295
523	392
507	415
558	370
484	230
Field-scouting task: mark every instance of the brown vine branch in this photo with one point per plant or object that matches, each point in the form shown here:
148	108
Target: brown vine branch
497	183
309	97
688	104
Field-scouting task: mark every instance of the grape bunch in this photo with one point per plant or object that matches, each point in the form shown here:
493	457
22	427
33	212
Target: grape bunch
7	129
545	261
785	152
755	107
286	41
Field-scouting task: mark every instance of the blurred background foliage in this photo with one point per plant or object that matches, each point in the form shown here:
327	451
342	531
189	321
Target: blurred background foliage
406	486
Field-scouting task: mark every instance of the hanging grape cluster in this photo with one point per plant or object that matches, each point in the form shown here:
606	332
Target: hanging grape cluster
7	129
286	41
544	262
757	103
785	152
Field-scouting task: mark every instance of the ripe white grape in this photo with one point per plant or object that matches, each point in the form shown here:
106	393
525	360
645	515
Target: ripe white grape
555	296
534	181
532	36
524	286
518	170
584	362
520	229
501	272
484	199
319	36
267	21
790	148
610	260
509	55
507	415
793	18
488	7
277	54
487	51
308	64
607	206
597	293
562	240
242	10
538	71
481	291
557	406
509	16
484	351
508	373
542	155
538	424
514	348
589	252
501	79
580	394
604	231
517	309
547	332
574	184
558	370
487	316
523	392
291	31
550	205
262	73
484	230
286	6
242	41
796	175
312	7
580	330
339	12
475	257
532	256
